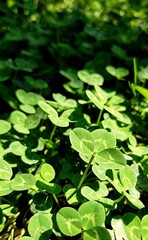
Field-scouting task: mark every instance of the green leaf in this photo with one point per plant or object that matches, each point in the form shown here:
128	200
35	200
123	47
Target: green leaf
120	116
143	91
32	121
69	222
95	193
4	126
71	74
17	148
91	79
82	141
40	226
134	201
131	225
118	228
21	129
8	210
52	188
63	120
113	178
5	170
92	214
47	172
128	177
22	182
144	227
5	188
48	109
18	117
111	159
94	99
71	196
103	140
97	233
99	172
108	203
36	83
27	108
119	73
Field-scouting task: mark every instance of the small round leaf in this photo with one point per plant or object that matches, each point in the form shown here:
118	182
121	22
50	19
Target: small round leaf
69	222
40	226
92	214
4	126
47	172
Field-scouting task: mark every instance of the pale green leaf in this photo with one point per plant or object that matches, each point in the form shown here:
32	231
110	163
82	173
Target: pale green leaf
22	182
40	226
110	159
47	172
4	126
5	188
92	214
69	222
82	141
127	177
5	170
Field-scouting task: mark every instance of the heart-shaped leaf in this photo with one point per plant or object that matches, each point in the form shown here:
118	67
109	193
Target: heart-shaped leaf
5	170
127	177
40	226
134	201
91	79
17	148
92	214
82	141
103	140
4	126
144	227
94	99
110	159
131	225
18	117
47	172
32	121
119	73
22	182
69	221
48	109
99	233
5	188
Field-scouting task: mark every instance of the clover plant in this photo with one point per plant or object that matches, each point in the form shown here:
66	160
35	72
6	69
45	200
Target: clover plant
73	120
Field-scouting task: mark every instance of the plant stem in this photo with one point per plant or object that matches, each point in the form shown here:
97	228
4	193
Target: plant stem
99	117
56	200
119	199
85	172
135	71
53	132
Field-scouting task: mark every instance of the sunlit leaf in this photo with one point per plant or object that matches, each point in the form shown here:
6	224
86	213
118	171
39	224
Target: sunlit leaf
40	226
22	182
69	222
92	214
82	141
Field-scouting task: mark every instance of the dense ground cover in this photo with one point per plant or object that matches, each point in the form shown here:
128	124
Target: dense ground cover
73	120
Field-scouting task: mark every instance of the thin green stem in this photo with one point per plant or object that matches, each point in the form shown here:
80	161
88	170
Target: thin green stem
85	172
119	199
56	200
135	71
53	132
99	117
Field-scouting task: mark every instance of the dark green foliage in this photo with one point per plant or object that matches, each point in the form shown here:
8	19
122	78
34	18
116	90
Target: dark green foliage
73	120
